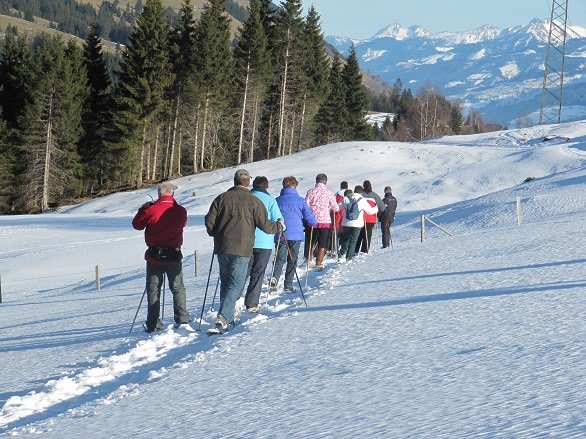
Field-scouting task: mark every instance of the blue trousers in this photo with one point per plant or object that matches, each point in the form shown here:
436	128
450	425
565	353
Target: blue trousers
232	278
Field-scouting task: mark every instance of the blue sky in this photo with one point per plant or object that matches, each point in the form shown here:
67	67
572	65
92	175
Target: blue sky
363	18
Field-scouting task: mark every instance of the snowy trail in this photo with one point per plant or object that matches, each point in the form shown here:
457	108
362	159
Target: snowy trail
477	335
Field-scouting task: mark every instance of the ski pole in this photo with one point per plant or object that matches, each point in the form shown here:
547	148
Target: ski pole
336	244
163	303
216	292
206	293
295	268
138	309
309	252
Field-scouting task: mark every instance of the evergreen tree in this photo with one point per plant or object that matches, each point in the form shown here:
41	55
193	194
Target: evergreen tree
253	73
456	119
289	61
184	91
15	76
316	71
6	168
51	126
215	70
96	116
331	118
144	79
355	98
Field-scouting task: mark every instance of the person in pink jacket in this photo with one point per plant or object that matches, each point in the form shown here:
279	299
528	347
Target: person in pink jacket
321	201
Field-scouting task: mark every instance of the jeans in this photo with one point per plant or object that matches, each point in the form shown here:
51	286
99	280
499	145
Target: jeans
154	281
256	270
233	271
282	257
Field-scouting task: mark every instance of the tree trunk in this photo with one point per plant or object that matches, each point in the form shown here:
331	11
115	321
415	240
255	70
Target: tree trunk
302	125
138	182
47	163
253	138
155	154
283	94
243	115
173	137
292	134
195	140
204	131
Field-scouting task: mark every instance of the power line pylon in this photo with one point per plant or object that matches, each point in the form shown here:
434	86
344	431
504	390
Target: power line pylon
553	73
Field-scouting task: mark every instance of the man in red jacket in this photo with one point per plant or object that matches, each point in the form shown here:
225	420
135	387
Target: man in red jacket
163	222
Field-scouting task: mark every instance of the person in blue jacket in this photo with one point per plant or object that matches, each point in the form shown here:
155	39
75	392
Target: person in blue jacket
263	245
297	214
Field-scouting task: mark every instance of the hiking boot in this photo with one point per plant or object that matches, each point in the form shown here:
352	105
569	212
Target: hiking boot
290	290
273	283
319	260
149	327
253	309
221	323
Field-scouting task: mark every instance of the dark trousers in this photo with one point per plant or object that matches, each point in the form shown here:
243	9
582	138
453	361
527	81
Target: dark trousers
348	241
154	281
319	239
363	244
290	257
386	232
256	270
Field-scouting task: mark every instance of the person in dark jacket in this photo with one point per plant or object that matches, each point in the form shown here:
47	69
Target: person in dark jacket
296	213
387	217
232	220
163	222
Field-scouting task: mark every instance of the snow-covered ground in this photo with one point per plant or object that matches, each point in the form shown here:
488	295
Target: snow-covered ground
476	335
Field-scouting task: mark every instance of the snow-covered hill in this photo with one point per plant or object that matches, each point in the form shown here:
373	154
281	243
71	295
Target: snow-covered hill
496	71
476	335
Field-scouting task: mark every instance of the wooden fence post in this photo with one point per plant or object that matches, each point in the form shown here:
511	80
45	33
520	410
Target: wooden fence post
422	228
97	278
196	263
519	211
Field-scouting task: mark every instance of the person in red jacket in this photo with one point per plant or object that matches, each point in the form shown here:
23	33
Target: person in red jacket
163	222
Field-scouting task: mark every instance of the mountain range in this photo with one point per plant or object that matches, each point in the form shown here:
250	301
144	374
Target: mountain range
498	72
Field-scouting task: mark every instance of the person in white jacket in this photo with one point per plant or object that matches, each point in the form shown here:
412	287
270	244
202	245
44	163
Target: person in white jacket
352	227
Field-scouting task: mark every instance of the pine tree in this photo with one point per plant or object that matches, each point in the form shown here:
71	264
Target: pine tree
6	168
215	70
15	76
355	98
253	73
184	90
331	118
288	54
316	71
456	119
144	79
51	126
97	116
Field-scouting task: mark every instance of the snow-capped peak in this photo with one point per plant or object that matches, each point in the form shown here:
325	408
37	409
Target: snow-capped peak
483	33
399	32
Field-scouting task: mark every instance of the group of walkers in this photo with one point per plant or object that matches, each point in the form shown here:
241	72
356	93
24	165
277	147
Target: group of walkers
247	226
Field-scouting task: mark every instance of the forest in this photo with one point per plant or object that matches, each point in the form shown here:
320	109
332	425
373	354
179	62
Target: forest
186	98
